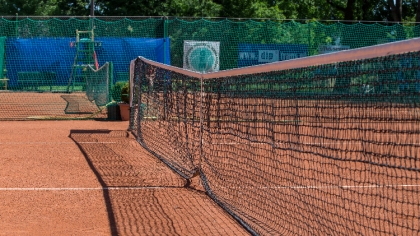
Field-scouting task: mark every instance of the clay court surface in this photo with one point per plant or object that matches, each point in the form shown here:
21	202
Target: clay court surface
33	105
328	168
93	178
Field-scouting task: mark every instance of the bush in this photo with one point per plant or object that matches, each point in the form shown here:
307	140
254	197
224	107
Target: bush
125	93
116	91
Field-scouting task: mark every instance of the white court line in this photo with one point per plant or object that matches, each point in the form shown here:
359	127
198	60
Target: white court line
79	189
261	143
96	142
273	187
19	143
338	187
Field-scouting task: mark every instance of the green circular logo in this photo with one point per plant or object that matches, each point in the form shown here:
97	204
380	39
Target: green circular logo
202	58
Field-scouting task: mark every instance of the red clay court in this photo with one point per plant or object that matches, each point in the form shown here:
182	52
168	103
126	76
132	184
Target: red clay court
93	178
327	145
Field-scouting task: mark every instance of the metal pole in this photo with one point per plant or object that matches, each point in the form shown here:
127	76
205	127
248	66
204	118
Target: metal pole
165	42
92	17
92	8
201	124
17	25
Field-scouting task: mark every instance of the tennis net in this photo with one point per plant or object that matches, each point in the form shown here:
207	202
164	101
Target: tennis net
320	145
97	84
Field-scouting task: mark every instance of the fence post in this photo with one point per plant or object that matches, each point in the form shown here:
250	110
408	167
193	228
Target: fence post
92	23
110	81
309	38
166	39
17	25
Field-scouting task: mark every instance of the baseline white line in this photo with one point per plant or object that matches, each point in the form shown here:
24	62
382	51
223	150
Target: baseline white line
97	142
19	143
337	187
273	187
79	189
261	143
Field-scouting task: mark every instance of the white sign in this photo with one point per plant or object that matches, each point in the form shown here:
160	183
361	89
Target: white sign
201	56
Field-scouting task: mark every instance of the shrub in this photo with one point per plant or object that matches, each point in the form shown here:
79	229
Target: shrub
125	93
116	91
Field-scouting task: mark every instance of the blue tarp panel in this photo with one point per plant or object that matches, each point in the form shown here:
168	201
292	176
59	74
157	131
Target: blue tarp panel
57	54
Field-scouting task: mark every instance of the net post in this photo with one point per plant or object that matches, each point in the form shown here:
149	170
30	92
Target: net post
139	80
201	121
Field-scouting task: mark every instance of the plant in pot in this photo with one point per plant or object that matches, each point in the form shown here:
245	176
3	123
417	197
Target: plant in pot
125	100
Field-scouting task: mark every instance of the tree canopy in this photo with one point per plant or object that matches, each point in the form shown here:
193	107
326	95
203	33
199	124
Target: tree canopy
352	10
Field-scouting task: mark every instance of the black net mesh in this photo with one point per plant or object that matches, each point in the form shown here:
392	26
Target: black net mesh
97	84
328	149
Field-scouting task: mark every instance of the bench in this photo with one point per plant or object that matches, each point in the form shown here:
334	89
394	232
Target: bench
35	79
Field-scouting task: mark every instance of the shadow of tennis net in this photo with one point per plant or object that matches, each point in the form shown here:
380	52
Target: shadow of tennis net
145	197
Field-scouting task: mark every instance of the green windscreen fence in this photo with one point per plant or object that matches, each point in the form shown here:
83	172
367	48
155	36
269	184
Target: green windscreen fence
242	42
40	53
2	55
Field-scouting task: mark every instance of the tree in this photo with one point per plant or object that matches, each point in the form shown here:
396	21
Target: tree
47	8
72	7
395	9
374	10
21	7
347	9
196	8
131	8
418	12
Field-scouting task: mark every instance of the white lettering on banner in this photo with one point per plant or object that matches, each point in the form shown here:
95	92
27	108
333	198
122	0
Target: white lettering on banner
268	55
247	55
289	56
323	49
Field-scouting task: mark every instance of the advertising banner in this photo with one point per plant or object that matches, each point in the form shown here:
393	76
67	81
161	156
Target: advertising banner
255	54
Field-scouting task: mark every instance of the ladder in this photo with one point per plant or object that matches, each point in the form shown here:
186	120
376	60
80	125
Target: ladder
85	56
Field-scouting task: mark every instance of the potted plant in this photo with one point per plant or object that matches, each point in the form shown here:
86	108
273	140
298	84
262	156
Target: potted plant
124	104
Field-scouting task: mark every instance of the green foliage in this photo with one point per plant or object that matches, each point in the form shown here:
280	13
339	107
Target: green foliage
374	10
263	10
197	8
27	7
116	91
73	7
125	93
47	7
132	8
120	92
